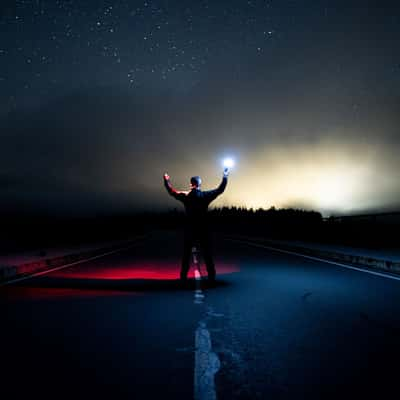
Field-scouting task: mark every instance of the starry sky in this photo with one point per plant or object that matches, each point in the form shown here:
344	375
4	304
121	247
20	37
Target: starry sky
99	98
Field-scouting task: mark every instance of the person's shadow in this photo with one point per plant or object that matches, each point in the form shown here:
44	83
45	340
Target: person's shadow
123	285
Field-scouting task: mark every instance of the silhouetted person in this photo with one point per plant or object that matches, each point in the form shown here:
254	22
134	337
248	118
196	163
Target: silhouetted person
196	204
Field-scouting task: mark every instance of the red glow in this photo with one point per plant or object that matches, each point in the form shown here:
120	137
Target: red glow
140	270
38	293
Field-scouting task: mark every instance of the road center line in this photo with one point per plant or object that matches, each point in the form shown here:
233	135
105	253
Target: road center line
206	362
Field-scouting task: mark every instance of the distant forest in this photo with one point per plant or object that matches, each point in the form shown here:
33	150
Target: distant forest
380	230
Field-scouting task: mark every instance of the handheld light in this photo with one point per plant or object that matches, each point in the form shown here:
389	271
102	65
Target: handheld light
228	162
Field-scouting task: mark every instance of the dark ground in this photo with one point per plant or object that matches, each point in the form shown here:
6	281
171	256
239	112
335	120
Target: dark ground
283	327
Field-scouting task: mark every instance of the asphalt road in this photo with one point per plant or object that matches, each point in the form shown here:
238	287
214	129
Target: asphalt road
276	326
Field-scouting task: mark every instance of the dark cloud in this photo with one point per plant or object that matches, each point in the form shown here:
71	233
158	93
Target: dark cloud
107	148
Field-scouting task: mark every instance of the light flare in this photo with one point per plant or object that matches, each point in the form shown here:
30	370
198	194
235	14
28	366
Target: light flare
228	162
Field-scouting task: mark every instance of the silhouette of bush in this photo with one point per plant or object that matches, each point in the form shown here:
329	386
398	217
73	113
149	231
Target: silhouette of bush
39	231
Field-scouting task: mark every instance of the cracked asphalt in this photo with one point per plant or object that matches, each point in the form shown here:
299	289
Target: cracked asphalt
282	326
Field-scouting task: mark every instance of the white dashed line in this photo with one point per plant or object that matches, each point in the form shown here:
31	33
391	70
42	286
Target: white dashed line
206	362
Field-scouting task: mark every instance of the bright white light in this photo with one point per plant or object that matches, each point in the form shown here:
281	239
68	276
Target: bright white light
228	162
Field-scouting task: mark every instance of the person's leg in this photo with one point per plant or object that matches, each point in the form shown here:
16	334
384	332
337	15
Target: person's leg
205	243
187	251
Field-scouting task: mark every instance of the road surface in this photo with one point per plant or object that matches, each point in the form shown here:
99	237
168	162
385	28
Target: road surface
276	326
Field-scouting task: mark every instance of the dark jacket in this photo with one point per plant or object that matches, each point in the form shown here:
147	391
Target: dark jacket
196	201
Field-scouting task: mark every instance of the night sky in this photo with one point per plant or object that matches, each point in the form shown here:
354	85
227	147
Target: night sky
99	98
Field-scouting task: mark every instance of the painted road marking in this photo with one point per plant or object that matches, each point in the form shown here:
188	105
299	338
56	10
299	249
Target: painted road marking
68	265
206	362
367	271
198	293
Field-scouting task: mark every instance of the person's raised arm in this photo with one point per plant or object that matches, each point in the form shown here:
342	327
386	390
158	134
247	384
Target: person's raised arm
173	192
213	194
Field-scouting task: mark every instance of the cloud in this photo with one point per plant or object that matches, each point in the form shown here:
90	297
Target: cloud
106	147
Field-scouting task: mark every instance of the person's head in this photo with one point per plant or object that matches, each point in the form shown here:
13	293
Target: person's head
195	181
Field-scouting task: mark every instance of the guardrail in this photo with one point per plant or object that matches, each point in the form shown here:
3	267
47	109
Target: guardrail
11	272
358	260
385	218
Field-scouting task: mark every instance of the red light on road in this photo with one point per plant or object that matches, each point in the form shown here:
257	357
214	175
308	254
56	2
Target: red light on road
140	271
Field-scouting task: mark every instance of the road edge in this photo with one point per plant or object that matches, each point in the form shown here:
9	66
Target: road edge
13	272
371	263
